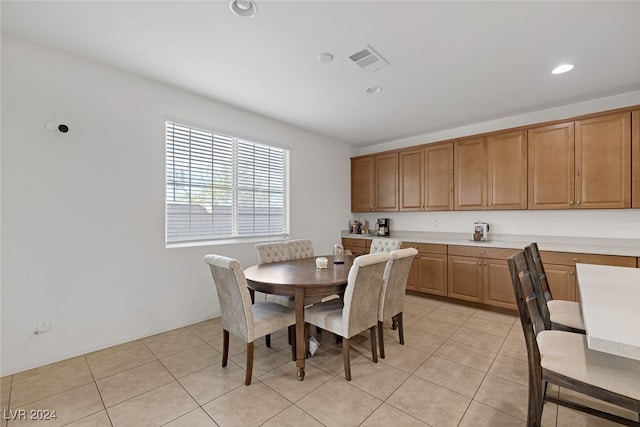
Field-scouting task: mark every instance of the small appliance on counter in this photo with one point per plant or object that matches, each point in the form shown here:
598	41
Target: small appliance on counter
383	226
480	231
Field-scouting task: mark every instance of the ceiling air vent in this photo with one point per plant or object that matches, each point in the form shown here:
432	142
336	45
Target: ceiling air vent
368	60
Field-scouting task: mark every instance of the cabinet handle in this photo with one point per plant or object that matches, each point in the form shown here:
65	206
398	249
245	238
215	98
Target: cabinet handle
570	202
571	273
481	252
578	202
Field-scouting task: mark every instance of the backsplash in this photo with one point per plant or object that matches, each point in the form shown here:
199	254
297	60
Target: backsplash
608	223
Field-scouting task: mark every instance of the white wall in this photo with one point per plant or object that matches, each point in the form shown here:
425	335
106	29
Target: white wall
613	223
83	212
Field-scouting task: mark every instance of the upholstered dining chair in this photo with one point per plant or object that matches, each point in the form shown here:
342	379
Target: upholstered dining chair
240	317
358	310
557	314
279	251
272	252
384	245
564	358
394	286
300	248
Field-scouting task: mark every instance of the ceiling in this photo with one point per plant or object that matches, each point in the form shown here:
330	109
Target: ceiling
451	63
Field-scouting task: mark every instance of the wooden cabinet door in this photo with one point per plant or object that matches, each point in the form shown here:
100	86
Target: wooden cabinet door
386	182
411	173
438	177
470	174
432	273
507	171
465	278
603	162
498	289
362	184
551	166
562	281
412	280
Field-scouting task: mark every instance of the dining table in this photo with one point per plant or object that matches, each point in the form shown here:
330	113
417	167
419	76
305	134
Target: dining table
610	302
299	278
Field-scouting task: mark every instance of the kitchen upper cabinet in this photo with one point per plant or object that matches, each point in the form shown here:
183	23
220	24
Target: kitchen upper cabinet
426	178
491	172
584	164
635	158
374	183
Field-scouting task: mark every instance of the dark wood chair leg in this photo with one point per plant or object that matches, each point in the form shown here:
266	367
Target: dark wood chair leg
225	347
267	340
374	344
318	330
292	341
346	357
247	380
400	327
290	338
381	338
307	335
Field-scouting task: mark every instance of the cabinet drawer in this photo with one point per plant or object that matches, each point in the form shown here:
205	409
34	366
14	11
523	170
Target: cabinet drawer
568	258
481	252
426	247
356	243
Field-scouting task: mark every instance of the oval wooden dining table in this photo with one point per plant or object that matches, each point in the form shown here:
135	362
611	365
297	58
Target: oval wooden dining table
299	278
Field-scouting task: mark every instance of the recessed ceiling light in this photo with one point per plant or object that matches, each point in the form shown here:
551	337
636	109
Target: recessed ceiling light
246	8
373	90
325	57
562	68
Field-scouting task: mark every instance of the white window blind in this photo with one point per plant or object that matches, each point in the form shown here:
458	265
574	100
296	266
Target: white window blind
221	187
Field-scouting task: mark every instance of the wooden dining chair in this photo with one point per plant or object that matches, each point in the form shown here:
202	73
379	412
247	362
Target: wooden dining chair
394	286
358	310
240	317
557	314
384	245
300	248
564	358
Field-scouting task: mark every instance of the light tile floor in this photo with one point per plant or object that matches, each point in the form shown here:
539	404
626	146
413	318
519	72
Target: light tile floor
460	366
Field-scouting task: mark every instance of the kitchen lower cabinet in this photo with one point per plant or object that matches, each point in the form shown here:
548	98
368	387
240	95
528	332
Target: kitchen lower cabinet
356	246
429	269
560	268
480	275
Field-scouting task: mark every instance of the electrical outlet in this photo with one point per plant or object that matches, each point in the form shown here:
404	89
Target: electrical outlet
43	325
434	222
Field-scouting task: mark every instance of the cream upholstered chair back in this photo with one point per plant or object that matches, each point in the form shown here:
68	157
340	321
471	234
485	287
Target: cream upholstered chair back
272	252
384	245
233	294
394	284
300	248
362	293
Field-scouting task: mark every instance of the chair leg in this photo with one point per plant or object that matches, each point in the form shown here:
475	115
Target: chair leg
247	380
381	338
400	328
292	341
225	347
374	345
267	340
346	358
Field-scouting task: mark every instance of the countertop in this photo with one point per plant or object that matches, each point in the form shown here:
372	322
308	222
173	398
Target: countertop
585	245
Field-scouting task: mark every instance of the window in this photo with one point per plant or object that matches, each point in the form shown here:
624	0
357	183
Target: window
221	187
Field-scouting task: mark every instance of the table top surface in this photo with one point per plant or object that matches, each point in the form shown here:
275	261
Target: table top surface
300	272
610	299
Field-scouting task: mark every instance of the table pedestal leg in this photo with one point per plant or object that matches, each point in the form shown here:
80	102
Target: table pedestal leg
300	338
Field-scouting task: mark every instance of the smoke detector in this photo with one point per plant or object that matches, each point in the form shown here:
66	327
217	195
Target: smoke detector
368	60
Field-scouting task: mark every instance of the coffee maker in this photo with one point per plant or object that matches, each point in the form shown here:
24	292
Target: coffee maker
383	226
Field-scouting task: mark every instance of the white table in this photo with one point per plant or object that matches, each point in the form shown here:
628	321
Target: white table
611	308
